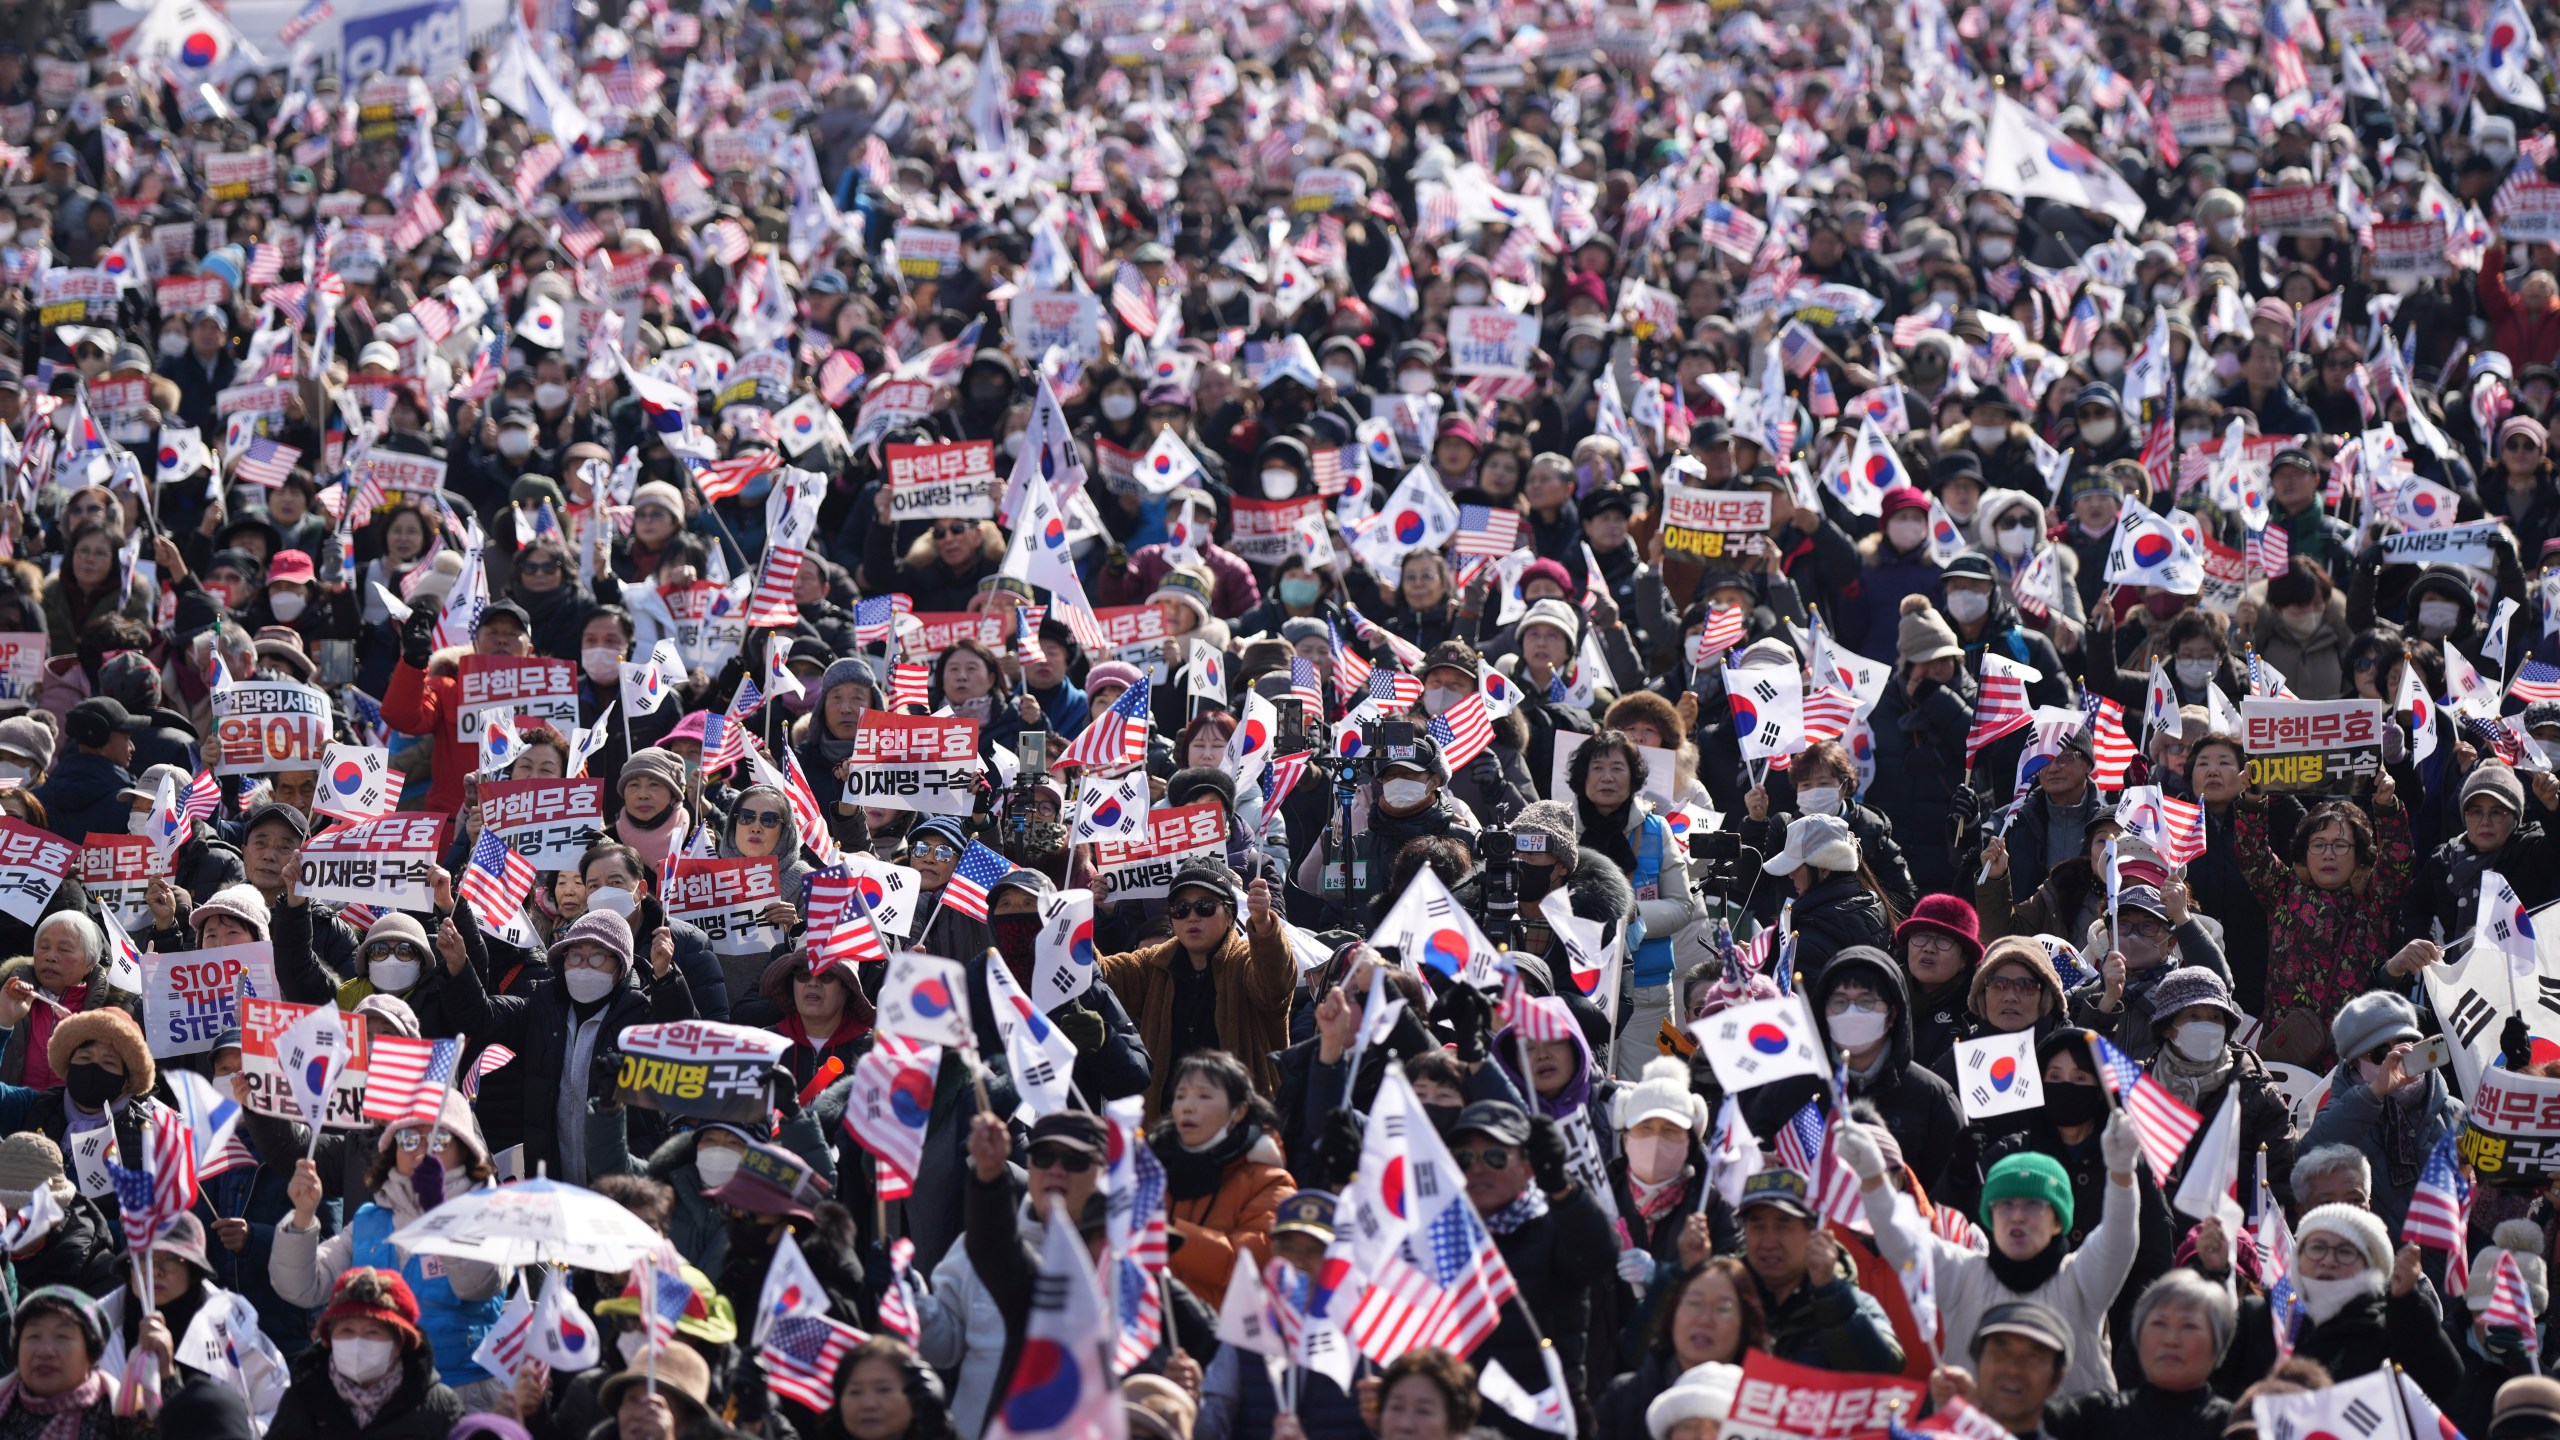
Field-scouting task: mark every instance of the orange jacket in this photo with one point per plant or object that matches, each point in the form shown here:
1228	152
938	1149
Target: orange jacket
1236	1217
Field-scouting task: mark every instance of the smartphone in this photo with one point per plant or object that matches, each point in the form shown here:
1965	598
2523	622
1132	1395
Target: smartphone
2428	1054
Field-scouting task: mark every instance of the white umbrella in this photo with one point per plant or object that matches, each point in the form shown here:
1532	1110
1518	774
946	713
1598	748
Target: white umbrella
533	1222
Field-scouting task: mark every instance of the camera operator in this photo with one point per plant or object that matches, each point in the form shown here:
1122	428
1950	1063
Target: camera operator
1404	803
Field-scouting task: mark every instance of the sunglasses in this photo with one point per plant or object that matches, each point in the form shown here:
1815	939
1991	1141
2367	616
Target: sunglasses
2521	442
770	819
953	532
1494	1157
1060	1157
1194	910
934	850
538	567
412	1140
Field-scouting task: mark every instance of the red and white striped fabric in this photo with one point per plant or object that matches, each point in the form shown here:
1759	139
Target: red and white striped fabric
846	933
496	880
1723	631
910	685
2160	1119
2511	1303
406	1079
1808	1145
2115	750
773	605
722	479
1953	1226
1117	736
2439	1206
1463	730
495	1057
2002	705
1350	673
1828	712
2271	551
1452	1305
1134	301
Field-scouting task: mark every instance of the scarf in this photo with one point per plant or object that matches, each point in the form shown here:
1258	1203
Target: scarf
2025	1277
655	838
64	1413
1193	1174
1531	1205
2186	1079
366	1397
1653	1201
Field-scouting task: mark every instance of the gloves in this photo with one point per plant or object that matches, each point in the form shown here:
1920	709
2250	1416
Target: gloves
1470	1014
1546	1155
428	1182
418	638
1861	1153
1635	1267
2515	1044
786	1092
1338	1148
2121	1144
1080	1025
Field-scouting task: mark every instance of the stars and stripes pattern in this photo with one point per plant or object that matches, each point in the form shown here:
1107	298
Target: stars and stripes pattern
800	1357
847	933
1806	1145
897	1306
2440	1206
148	1200
496	880
2271	551
2114	748
666	1299
1828	713
978	869
1134	301
1140	1244
724	736
2535	681
2002	707
406	1079
2161	1119
1394	689
1463	731
305	20
722	479
1722	632
1350	667
1444	1288
266	462
1303	686
1484	530
875	617
495	1057
1117	736
2511	1303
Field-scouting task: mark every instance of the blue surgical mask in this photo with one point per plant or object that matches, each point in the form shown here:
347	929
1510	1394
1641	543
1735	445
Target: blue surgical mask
1299	591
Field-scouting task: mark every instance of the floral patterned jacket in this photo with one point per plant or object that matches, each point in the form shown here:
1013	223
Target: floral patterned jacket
2324	947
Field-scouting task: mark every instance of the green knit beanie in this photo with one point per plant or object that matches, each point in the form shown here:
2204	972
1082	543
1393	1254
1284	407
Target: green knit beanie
2028	1176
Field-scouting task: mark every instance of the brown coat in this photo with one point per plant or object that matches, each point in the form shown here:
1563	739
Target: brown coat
1255	980
1235	1217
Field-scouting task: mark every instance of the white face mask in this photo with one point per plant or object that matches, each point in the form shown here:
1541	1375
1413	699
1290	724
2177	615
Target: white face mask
1404	794
362	1360
1118	406
138	823
514	443
392	973
715	1165
173	344
1997	248
8	231
2189	439
1222	292
1684	270
1013	443
2199	1040
2014	540
1906	531
2226	366
2098	431
2438	617
297	206
1944	299
1989	437
1655	1158
614	898
2192	673
17	774
1341	376
1968	605
603	666
2167	293
1469	294
1414	382
287	604
2107	362
2227	231
1857	1028
1436	700
589	986
549	396
1818	800
1279	484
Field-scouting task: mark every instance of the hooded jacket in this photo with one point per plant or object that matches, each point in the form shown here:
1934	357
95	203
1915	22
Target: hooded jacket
1914	1103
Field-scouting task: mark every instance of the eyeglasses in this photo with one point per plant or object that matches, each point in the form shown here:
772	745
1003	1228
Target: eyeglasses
2332	847
1060	1157
1494	1157
933	850
1194	910
383	949
537	567
589	960
770	819
2012	985
2324	1251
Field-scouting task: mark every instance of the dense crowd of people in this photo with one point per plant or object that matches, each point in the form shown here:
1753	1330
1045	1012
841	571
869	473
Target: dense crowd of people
1309	722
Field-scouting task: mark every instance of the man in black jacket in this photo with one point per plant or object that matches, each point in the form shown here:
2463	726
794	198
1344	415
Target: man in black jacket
570	1028
1553	1236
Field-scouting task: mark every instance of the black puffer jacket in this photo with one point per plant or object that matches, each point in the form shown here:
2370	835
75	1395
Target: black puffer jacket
1835	915
1915	1104
423	1408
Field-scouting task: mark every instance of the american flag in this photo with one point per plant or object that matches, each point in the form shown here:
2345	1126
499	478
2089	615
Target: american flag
1134	301
723	478
1952	1225
979	868
266	267
266	462
909	685
2266	682
839	377
419	218
2082	327
1736	232
1302	684
2491	735
1484	133
1908	330
2107	737
727	241
666	1297
406	1079
149	1200
1445	1288
846	933
580	235
1329	470
1396	691
1828	711
2163	1121
2284	67
304	20
2535	681
805	810
875	618
2510	1304
800	1356
1482	529
203	797
492	1058
2271	551
1463	730
1807	1146
2002	706
2440	1207
1026	632
1723	630
1350	668
1117	736
1140	1244
724	736
897	1306
497	878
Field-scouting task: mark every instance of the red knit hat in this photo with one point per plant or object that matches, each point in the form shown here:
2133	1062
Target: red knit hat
1948	916
368	1294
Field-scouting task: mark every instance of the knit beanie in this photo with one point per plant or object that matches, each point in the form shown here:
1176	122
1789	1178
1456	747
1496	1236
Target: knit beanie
2357	1225
1925	634
2522	1239
2030	1175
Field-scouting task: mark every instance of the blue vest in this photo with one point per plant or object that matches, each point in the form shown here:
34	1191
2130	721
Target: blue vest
453	1325
1653	953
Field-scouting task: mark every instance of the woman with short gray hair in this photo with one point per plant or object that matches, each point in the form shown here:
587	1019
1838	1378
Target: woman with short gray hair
2182	1325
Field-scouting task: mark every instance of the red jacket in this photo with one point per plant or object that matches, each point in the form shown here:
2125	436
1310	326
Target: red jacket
423	702
2526	339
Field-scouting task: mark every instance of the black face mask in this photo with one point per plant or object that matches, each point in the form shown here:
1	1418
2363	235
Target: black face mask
2074	1104
93	1085
1535	882
1017	939
1443	1117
